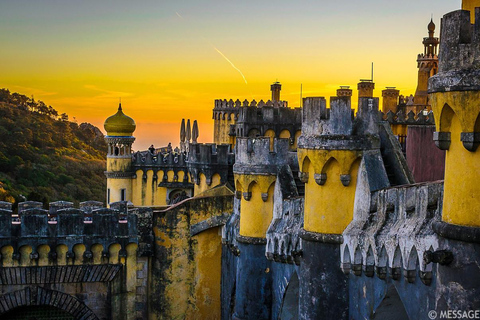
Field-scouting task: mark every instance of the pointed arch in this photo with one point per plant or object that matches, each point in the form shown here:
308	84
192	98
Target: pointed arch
412	259
397	258
445	119
238	186
306	163
370	259
290	303
391	307
383	257
331	163
253	184
346	261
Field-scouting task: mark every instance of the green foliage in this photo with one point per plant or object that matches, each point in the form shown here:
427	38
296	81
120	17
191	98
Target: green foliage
44	157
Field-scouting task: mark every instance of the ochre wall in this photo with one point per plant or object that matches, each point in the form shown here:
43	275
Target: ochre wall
221	130
147	192
186	270
255	213
203	186
459	112
329	207
208	274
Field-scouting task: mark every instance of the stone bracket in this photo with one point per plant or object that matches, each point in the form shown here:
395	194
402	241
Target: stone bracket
247	196
442	139
264	196
471	140
320	178
345	178
303	176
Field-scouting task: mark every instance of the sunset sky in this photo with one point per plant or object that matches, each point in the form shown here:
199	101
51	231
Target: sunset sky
167	60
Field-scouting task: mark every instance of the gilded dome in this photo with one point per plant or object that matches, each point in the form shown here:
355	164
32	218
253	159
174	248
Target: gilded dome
119	124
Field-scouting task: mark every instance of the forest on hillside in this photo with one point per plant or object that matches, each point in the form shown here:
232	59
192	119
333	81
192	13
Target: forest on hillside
45	157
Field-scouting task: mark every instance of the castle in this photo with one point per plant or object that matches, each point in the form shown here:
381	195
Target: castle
319	212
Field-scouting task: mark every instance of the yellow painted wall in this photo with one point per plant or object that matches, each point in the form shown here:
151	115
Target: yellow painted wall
329	207
255	214
221	129
208	274
115	185
115	164
190	277
459	113
399	129
203	186
297	135
471	5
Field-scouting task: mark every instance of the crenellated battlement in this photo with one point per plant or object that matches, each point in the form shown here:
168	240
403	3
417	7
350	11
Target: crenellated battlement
269	113
253	155
63	224
210	159
411	118
459	57
167	159
337	127
230	104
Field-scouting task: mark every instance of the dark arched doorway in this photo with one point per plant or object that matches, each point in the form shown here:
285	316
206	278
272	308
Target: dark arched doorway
391	307
290	300
37	313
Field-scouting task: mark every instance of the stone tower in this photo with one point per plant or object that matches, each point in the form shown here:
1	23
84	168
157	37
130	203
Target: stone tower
455	95
365	88
255	173
275	88
390	99
427	67
119	138
330	151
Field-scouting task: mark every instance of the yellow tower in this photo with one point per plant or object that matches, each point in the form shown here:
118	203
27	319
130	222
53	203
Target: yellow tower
255	172
455	96
120	128
328	165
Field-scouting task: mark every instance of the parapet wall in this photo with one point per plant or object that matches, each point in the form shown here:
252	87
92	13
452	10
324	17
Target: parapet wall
459	56
410	119
253	155
209	159
62	224
337	127
394	232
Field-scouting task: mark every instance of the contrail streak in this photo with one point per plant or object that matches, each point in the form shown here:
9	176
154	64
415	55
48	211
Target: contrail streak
231	63
220	52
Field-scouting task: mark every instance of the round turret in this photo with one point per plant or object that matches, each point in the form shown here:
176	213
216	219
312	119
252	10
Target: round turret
119	124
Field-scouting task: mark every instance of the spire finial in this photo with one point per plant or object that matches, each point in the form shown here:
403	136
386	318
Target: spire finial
120	104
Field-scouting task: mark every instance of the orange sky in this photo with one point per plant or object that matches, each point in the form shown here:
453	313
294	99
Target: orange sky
168	61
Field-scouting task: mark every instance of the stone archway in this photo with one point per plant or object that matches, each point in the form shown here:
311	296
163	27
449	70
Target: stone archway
38	296
391	307
289	309
37	313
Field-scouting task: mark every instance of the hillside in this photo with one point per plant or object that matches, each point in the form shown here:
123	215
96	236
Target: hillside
44	157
